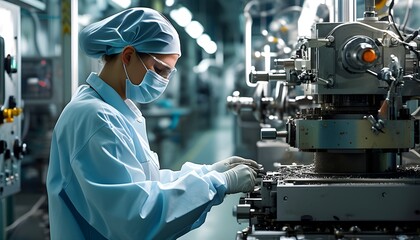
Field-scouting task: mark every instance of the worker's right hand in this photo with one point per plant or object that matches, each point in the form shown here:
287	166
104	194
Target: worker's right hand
231	162
240	179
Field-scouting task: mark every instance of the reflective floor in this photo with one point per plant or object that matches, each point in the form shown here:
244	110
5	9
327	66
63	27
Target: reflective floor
216	145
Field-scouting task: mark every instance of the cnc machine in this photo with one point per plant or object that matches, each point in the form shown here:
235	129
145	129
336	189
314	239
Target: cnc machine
358	119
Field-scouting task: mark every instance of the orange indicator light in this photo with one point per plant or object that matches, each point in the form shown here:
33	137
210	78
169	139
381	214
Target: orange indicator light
369	55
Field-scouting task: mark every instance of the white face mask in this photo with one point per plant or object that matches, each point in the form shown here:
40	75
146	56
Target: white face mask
150	89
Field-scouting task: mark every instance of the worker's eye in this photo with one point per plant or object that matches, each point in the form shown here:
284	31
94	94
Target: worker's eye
162	70
158	70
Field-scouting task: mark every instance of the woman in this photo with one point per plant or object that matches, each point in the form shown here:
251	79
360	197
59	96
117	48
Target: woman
103	180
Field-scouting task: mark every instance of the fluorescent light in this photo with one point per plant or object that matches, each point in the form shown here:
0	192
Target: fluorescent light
211	47
85	19
203	40
264	32
194	29
169	3
122	3
287	50
182	16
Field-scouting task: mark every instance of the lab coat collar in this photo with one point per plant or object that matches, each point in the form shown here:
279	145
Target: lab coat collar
109	95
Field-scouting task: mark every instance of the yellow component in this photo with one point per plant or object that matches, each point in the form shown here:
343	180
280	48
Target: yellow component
369	55
273	39
284	29
10	113
379	4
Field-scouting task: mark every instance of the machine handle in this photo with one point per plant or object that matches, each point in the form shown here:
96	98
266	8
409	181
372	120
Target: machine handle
272	134
257	76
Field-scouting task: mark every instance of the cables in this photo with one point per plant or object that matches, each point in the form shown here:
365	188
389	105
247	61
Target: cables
407	14
412	36
392	21
386	32
27	215
410	47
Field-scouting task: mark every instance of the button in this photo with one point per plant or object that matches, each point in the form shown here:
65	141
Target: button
369	55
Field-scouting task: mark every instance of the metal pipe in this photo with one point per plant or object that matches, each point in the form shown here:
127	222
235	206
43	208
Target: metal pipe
369	9
248	43
345	10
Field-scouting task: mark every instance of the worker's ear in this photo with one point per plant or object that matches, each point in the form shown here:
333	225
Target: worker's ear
126	54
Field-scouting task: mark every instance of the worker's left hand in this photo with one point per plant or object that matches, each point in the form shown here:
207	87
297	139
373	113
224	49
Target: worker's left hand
231	162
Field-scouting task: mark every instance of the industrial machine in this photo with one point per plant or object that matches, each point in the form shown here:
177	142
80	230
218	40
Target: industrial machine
357	114
11	146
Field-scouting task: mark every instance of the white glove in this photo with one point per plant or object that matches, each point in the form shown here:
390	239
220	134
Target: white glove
229	163
240	179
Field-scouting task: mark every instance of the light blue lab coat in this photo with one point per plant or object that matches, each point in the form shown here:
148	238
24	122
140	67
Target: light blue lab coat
104	181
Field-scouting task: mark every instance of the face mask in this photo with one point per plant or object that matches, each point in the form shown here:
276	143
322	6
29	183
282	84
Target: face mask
150	89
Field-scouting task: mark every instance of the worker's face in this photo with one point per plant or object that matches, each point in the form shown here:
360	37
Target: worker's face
137	64
154	72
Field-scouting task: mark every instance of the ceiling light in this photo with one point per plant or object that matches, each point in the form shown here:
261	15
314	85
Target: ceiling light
203	40
169	3
85	19
211	47
122	3
194	29
182	16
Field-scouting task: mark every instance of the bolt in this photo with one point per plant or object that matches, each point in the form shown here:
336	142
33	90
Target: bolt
394	41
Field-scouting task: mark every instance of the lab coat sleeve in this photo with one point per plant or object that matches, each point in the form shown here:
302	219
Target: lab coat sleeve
114	195
167	175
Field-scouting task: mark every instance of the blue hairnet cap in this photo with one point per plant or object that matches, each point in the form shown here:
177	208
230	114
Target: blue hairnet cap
145	29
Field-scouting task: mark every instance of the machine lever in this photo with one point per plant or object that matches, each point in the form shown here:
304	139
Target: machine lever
257	76
272	134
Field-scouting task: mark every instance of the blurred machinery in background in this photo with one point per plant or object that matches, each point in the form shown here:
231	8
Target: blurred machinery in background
270	33
11	146
45	90
41	93
347	96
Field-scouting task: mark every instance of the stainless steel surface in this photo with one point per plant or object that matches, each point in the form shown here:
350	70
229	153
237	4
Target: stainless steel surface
298	201
364	201
353	134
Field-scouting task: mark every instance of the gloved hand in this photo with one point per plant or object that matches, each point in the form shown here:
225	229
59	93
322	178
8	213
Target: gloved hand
229	163
240	179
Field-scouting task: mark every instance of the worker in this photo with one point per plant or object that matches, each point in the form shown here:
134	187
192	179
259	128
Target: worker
104	181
